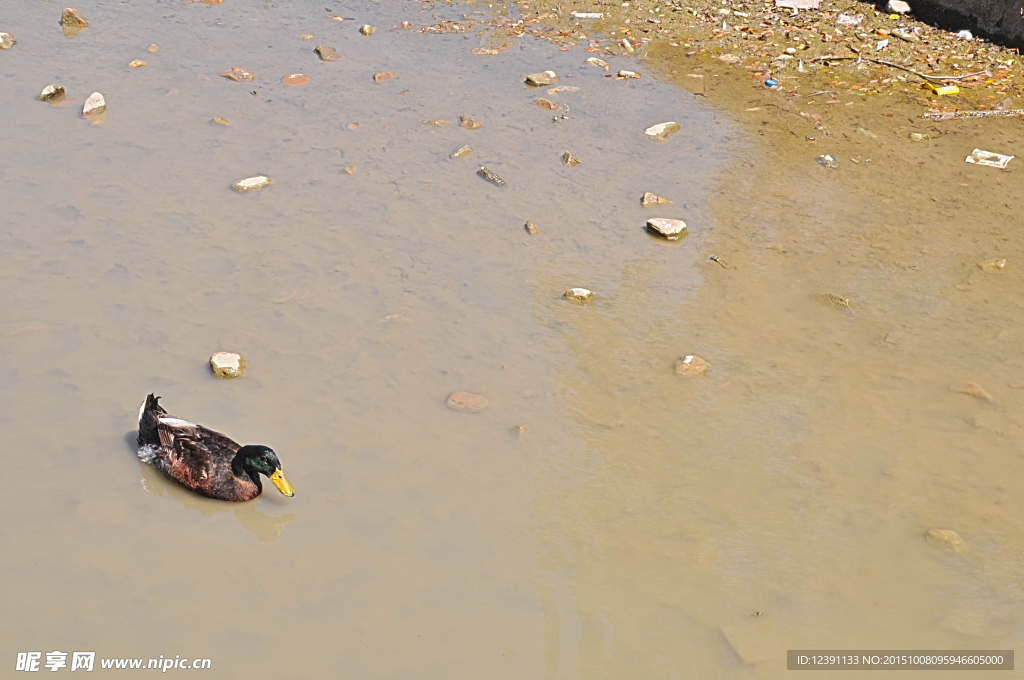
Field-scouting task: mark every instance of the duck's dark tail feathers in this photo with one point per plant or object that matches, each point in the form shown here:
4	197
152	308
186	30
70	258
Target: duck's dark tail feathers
148	415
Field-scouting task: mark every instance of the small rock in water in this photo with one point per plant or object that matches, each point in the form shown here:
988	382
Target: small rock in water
221	121
306	36
366	29
834	300
570	160
578	295
662	131
469	123
995	263
628	74
51	93
690	366
94	104
350	170
668	228
227	365
650	199
152	48
546	104
295	79
467	402
828	160
71	18
326	53
971	389
947	539
435	123
897	7
566	88
7	41
594	61
381	76
490	51
541	79
919	137
238	74
490	176
462	151
136	63
250	183
530	227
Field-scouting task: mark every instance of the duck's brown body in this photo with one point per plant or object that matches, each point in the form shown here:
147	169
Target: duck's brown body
196	457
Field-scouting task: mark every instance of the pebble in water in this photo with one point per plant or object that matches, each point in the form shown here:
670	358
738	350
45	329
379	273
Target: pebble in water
545	104
490	176
947	539
350	170
72	18
51	93
971	389
570	160
541	79
366	29
152	48
250	183
94	105
628	74
469	123
238	74
834	300
7	41
136	63
690	365
326	53
462	151
435	123
578	295
594	61
467	402
666	227
221	121
295	79
530	227
227	365
661	131
650	199
381	76
995	263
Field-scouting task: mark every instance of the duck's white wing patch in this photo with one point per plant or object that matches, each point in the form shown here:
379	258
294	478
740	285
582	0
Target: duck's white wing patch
177	422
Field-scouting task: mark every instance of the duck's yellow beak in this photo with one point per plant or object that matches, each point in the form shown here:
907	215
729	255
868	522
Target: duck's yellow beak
281	483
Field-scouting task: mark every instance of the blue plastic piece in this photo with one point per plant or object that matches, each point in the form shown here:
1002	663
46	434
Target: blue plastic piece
771	83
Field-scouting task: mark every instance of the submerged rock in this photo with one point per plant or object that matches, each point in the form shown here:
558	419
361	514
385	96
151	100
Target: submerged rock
666	227
690	365
530	227
7	41
221	121
947	539
570	160
594	61
650	199
238	74
971	389
227	365
995	263
94	104
295	79
250	183
469	123
152	48
72	18
546	104
381	76
467	402
834	300
366	29
462	151
578	295
628	74
435	123
490	176
326	53
51	93
541	79
136	63
662	131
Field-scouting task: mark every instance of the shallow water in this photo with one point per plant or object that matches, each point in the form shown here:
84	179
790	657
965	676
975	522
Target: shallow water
639	520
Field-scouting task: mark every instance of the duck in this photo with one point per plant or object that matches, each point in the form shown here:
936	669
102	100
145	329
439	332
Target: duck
206	462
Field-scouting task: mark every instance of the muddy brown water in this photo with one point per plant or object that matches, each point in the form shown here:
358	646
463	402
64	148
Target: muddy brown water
639	521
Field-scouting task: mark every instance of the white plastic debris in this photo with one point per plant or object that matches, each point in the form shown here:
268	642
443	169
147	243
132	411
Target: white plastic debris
995	160
897	7
588	15
966	35
848	20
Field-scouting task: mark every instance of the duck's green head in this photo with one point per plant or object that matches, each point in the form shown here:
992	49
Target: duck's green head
262	459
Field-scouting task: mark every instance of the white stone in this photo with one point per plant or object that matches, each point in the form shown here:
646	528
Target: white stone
250	183
544	78
226	365
578	295
662	131
94	104
669	228
7	41
897	7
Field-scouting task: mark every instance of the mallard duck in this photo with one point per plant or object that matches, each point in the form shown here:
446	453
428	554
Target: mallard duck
205	461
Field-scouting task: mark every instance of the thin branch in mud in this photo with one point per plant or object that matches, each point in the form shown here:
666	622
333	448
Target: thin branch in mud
832	57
